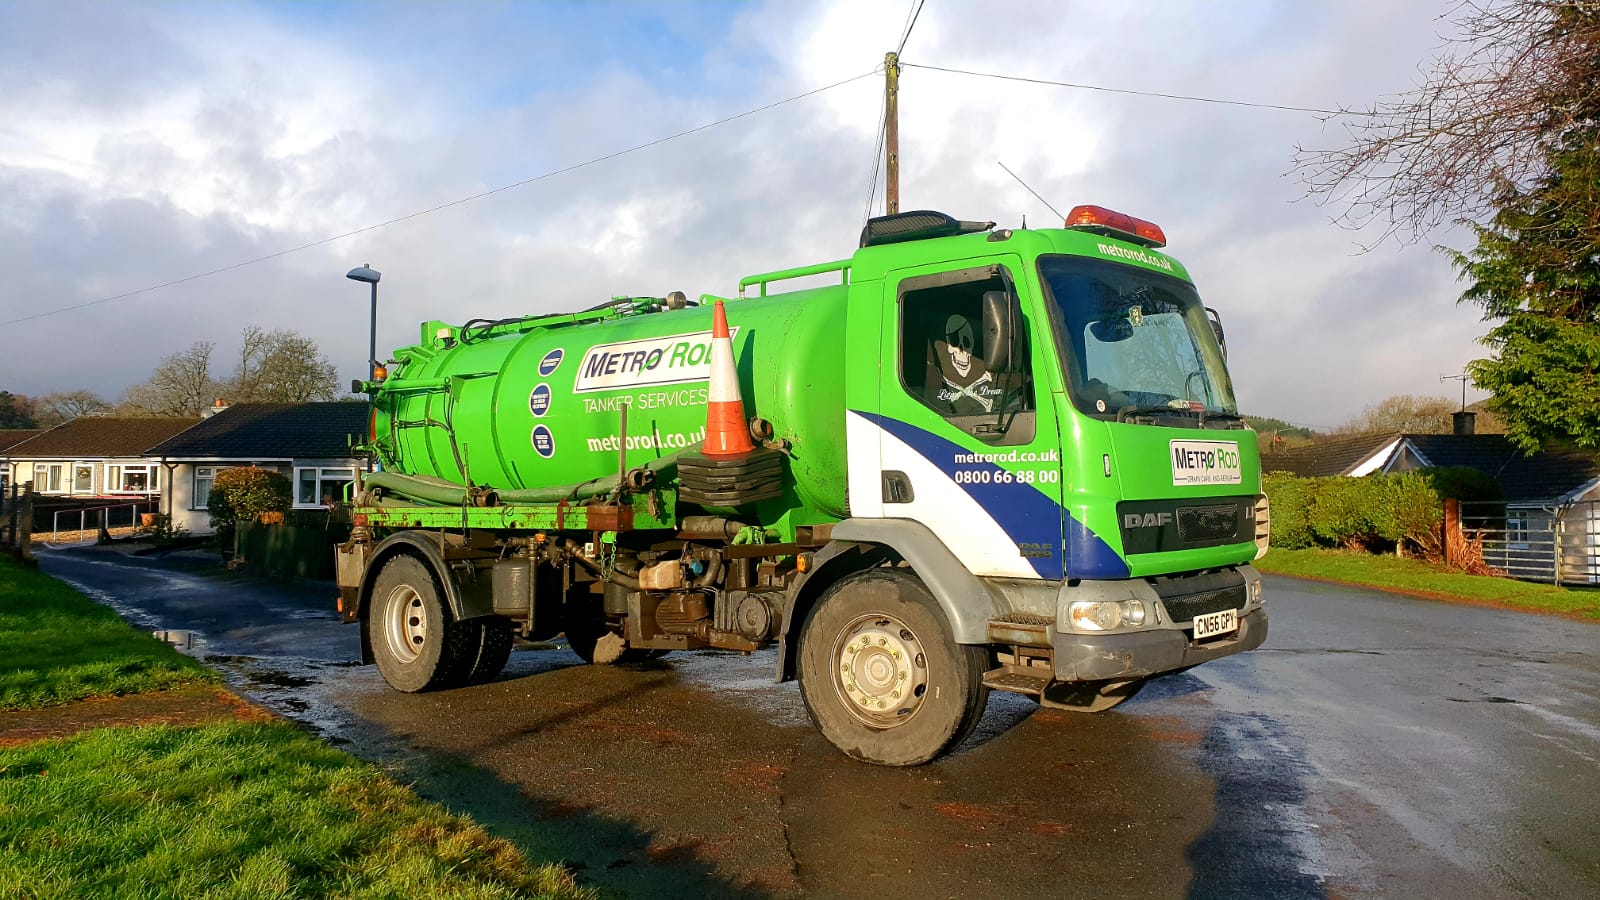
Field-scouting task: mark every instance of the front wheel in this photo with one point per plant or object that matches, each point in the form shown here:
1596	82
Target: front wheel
881	673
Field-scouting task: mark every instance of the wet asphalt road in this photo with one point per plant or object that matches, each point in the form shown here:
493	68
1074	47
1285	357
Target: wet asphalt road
1376	746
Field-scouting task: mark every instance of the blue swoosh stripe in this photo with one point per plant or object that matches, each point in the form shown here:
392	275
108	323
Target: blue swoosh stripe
1024	513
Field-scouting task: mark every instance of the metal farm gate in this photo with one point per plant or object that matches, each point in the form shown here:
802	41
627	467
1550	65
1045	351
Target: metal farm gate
1558	544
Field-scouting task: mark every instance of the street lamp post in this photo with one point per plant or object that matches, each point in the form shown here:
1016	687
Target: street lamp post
371	276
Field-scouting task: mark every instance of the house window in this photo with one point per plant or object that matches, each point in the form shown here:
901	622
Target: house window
1517	528
203	477
121	479
321	487
83	479
48	477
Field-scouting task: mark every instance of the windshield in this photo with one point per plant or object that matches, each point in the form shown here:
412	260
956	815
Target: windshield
1134	339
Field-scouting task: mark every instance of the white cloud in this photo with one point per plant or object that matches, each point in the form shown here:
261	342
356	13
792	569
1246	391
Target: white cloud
231	132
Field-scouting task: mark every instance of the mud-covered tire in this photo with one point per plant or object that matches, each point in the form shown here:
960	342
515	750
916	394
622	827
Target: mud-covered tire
584	626
494	649
416	643
871	635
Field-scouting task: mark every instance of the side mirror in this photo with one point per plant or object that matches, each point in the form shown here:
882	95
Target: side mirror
999	330
1215	318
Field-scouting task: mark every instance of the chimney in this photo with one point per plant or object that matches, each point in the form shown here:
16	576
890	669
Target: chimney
1465	422
217	405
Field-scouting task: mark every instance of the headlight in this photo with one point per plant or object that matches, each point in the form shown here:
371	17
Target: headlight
1105	615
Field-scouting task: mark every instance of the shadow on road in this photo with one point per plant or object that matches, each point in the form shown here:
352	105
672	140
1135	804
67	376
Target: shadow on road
603	851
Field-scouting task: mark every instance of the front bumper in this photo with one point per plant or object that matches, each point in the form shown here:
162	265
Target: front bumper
1139	654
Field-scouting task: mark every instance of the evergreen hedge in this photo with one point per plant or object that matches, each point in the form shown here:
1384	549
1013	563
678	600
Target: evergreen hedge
1375	513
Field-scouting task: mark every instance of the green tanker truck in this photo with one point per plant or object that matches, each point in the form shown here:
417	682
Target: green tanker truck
967	459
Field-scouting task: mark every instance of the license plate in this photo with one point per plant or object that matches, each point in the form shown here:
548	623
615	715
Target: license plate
1216	624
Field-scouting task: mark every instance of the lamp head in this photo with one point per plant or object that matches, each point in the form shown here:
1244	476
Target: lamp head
364	273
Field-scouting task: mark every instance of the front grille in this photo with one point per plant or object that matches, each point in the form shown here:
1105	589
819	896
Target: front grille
1184	609
1208	523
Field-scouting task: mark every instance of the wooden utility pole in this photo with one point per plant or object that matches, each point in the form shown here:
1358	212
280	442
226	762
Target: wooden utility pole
891	135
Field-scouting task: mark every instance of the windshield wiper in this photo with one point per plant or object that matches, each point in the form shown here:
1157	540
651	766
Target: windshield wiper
1202	415
1151	409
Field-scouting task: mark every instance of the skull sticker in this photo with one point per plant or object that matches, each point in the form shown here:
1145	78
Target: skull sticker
959	341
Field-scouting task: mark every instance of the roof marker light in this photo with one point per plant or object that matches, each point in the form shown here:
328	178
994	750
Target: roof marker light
1099	220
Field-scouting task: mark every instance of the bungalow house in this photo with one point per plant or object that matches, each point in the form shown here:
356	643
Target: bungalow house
10	437
98	457
1545	527
308	443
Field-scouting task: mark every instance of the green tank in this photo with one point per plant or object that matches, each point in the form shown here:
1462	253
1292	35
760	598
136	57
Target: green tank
537	403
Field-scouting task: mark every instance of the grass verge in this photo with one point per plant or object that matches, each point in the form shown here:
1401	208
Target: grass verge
236	810
1413	577
60	646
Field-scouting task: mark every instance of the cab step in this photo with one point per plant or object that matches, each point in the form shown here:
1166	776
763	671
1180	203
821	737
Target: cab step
1010	679
1021	674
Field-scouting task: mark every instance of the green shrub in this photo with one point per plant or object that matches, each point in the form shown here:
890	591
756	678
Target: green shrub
1373	513
1461	483
1340	512
1288	496
240	493
164	532
1407	509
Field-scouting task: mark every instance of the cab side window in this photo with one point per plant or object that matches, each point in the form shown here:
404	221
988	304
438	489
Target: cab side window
941	356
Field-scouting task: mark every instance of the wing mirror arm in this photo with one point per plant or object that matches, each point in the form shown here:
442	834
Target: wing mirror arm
1215	318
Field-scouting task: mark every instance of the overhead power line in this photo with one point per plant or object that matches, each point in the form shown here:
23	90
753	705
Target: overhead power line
877	161
1113	90
443	206
910	24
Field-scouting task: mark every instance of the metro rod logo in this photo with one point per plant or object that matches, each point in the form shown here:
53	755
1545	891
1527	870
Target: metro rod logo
625	365
1205	462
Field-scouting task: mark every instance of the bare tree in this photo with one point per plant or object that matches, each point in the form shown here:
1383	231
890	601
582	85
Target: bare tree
181	385
274	367
1506	85
281	367
1404	413
53	409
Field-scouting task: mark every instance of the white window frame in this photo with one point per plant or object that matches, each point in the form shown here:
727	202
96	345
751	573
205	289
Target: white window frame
207	474
60	470
322	474
1517	528
116	472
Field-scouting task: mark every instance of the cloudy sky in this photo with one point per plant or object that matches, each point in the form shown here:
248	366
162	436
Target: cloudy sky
144	143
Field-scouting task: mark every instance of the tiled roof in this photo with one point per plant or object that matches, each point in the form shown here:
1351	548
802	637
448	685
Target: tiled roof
99	436
1488	453
1323	458
1546	475
272	431
10	437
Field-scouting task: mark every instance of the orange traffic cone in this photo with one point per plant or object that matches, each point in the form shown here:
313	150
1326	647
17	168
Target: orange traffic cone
727	434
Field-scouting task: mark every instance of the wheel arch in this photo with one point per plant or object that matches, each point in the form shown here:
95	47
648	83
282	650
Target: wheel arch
859	544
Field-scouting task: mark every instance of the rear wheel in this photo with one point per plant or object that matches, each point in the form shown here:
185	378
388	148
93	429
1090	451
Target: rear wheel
881	673
493	648
416	643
